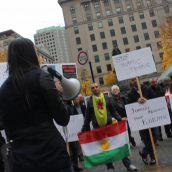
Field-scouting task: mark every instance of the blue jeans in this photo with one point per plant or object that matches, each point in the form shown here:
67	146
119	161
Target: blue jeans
147	141
64	170
126	162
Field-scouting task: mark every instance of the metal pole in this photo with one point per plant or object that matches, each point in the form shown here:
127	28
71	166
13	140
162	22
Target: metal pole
91	71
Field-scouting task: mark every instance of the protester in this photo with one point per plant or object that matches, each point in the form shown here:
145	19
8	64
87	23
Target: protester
99	120
73	145
29	101
81	99
167	86
79	109
134	96
159	92
119	102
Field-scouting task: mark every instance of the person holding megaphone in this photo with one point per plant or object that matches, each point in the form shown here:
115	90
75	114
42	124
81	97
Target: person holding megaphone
29	101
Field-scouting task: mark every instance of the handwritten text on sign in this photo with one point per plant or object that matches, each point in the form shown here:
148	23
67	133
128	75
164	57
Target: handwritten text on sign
74	126
150	114
135	63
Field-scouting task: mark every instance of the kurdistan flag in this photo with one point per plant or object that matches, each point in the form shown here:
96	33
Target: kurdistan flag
104	145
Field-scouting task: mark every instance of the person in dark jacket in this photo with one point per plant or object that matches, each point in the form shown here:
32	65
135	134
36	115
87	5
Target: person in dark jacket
81	99
109	112
29	101
159	92
119	101
134	96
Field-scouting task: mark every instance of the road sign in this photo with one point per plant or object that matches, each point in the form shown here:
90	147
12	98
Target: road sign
82	58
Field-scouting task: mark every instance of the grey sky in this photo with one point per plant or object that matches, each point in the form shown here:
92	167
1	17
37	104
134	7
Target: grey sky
25	17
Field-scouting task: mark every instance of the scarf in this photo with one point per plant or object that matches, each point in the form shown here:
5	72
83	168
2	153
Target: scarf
100	110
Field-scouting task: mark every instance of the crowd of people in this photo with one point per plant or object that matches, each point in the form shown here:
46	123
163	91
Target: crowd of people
30	100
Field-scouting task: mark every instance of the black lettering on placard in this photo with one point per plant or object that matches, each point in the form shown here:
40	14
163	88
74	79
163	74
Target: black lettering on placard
122	58
140	109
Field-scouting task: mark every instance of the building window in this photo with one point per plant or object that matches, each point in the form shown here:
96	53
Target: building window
149	3
79	49
151	13
72	10
92	37
116	1
156	33
144	26
100	24
106	3
136	38
127	50
118	10
107	56
98	15
110	22
94	48
90	27
149	45
96	5
109	67
114	43
74	20
108	12
139	6
88	17
146	35
112	32
104	45
131	17
86	6
123	31
138	47
78	40
161	55
166	9
128	7
76	30
141	14
133	27
125	40
101	81
99	70
159	45
120	19
96	58
154	24
102	35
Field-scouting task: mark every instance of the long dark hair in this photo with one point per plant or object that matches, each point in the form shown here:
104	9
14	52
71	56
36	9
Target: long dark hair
21	58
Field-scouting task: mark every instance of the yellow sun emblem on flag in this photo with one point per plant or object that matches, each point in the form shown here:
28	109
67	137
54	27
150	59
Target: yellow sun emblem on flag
104	145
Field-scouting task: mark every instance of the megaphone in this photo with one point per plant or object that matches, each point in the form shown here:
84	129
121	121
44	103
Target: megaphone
71	87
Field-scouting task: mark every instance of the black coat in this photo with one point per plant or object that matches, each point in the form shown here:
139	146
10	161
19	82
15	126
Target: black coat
37	144
133	95
119	104
83	109
90	114
159	92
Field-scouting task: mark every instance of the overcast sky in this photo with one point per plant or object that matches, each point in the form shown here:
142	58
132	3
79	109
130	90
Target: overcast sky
27	16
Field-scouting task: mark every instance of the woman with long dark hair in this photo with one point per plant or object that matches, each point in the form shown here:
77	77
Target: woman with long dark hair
29	101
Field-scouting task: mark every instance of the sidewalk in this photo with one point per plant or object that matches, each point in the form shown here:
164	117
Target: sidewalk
164	153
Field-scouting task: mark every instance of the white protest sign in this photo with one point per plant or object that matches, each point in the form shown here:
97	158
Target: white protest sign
133	64
75	124
3	72
152	113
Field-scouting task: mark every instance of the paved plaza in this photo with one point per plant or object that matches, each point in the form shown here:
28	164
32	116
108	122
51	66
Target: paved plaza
164	153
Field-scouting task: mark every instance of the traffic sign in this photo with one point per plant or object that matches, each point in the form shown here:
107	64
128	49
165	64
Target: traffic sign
82	58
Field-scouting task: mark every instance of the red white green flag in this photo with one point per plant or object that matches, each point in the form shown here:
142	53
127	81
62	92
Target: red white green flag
104	145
